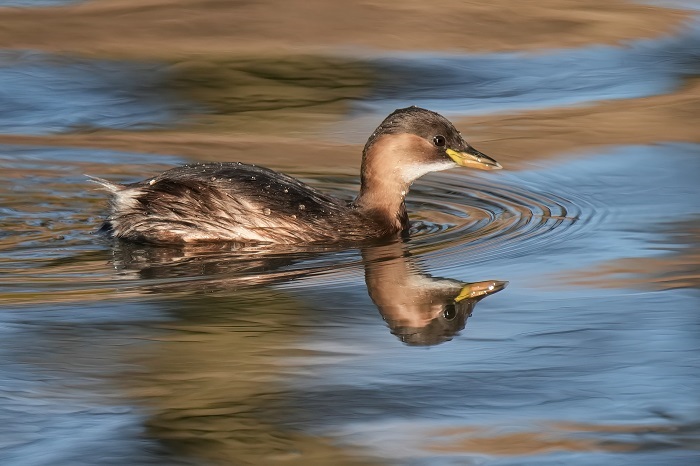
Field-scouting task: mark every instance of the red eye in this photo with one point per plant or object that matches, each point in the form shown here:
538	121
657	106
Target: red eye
439	141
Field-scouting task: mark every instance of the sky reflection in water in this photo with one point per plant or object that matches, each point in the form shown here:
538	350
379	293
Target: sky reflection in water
463	84
41	93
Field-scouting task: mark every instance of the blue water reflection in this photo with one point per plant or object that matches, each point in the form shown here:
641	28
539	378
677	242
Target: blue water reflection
42	93
481	83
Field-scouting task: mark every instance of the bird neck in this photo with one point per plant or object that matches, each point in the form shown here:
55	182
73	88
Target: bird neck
383	188
383	201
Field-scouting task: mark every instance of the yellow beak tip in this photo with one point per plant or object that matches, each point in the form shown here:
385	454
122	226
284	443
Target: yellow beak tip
475	160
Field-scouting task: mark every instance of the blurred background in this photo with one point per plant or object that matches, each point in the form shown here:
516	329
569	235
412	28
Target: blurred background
123	354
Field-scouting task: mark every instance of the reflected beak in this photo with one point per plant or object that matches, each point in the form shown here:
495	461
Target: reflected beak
472	158
480	290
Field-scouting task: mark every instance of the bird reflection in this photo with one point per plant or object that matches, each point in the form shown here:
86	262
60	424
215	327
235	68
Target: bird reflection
420	310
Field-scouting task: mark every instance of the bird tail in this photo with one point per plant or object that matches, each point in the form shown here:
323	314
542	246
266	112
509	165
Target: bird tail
107	185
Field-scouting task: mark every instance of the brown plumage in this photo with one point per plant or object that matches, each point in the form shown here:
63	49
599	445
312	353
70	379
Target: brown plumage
247	203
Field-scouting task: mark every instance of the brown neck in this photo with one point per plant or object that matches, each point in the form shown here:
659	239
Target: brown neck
382	199
384	182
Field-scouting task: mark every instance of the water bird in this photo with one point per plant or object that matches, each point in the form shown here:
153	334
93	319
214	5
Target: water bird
236	202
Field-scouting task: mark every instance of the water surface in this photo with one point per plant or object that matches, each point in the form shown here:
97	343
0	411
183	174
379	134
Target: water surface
164	354
42	93
483	83
114	353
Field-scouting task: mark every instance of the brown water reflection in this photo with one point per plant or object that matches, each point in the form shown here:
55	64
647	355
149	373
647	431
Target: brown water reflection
211	384
572	437
154	29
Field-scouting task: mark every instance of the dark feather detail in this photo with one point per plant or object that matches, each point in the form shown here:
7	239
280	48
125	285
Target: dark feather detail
230	201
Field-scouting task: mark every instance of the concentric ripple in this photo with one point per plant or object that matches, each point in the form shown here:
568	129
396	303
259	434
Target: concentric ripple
505	216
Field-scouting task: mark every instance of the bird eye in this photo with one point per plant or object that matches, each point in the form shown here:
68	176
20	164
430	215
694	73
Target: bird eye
449	312
439	141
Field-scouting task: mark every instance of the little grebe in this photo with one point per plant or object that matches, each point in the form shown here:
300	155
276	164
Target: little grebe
247	203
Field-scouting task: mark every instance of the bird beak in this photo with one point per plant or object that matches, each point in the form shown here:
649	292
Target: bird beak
474	159
480	290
